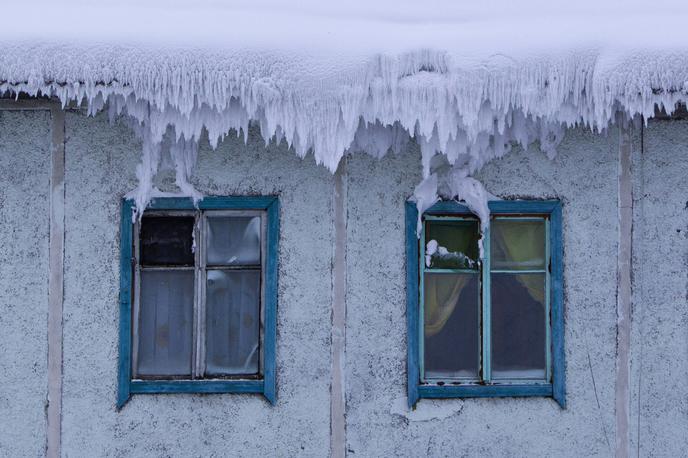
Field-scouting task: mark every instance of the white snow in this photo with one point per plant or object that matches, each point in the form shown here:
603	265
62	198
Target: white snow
467	80
430	249
434	250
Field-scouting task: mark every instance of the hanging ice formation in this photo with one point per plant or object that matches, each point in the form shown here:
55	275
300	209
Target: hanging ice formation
467	113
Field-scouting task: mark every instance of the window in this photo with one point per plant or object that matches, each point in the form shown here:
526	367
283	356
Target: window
198	297
485	328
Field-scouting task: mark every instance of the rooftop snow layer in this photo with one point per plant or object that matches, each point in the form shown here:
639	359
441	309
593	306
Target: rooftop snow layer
467	80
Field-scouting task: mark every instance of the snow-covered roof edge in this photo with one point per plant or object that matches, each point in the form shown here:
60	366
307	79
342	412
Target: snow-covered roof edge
469	108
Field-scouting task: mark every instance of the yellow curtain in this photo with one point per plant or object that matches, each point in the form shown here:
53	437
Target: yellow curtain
519	243
439	305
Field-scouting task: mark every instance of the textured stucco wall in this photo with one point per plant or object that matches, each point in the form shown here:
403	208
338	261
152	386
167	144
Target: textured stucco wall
25	172
583	176
659	405
100	166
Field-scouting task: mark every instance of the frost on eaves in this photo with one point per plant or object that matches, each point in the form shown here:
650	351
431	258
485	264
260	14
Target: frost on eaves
452	182
465	111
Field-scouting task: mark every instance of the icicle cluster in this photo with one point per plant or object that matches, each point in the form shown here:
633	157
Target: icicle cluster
468	113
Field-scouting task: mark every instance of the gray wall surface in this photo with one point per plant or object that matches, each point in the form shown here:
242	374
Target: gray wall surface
25	172
100	168
378	424
660	290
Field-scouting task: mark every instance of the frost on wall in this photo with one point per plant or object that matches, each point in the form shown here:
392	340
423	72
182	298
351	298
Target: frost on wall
463	108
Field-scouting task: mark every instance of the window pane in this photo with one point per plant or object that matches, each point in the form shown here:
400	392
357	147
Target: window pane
518	245
452	324
233	240
451	244
518	326
233	322
167	240
166	322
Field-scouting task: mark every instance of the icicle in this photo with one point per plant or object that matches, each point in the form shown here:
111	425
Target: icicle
425	196
184	154
469	113
473	194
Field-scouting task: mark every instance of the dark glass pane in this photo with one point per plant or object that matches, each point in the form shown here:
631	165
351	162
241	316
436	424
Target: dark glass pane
166	322
518	326
452	326
233	240
451	244
518	244
167	240
233	322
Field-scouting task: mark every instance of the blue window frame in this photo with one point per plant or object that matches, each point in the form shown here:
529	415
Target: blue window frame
490	328
201	360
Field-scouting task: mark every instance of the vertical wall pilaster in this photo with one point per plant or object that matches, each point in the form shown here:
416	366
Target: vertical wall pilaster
623	294
337	387
56	280
55	263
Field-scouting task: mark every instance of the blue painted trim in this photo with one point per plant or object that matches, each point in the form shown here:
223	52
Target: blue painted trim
556	389
412	282
450	207
196	386
420	314
485	349
213	203
557	307
548	300
271	277
125	282
267	386
484	391
450	271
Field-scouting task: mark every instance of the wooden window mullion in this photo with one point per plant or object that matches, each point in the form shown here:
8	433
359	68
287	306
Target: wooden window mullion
136	300
421	304
203	276
486	311
199	316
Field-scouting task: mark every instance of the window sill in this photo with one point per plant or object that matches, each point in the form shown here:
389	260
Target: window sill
485	391
196	387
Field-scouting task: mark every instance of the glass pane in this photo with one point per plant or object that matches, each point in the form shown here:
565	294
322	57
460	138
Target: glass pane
167	240
518	245
452	326
518	326
233	322
451	244
166	322
234	240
